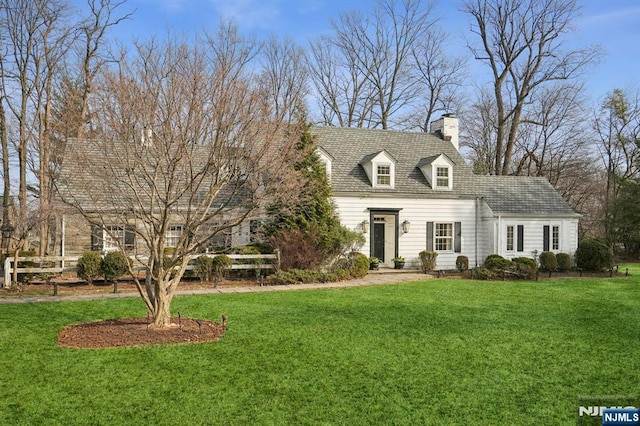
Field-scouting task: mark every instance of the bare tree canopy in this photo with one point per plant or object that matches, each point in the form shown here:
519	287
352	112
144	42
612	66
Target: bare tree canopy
185	138
522	44
384	69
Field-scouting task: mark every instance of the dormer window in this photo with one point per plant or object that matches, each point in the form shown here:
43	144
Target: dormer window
380	169
442	177
383	176
438	171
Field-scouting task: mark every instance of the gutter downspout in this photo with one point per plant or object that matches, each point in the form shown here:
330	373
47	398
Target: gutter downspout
477	228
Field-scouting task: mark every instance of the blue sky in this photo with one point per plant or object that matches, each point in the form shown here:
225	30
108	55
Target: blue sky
613	24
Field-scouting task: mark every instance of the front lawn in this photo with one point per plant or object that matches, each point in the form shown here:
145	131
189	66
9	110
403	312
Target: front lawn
442	351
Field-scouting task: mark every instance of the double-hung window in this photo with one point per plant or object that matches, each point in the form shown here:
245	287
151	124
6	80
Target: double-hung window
174	233
555	238
442	177
383	175
113	237
444	236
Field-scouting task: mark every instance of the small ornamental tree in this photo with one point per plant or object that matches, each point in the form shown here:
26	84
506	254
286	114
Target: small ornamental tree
114	265
88	267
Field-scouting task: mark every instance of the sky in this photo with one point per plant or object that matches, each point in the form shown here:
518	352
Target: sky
612	24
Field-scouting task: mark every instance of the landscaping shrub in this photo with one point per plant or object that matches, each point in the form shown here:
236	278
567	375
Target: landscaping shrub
548	261
564	262
88	267
428	260
525	261
524	267
594	255
204	268
114	264
496	262
462	263
358	265
481	273
26	278
220	264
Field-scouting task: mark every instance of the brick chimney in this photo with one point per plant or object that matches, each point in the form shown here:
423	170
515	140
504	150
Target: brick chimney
446	128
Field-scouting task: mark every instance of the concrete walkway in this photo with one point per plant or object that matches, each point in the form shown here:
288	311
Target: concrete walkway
383	276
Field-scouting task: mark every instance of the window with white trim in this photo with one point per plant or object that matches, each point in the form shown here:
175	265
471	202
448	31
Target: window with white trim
510	238
383	175
443	236
442	177
174	233
555	238
113	237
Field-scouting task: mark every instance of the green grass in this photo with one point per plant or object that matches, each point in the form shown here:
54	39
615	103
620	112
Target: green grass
434	352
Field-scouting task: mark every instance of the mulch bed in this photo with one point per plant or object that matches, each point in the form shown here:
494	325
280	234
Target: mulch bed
130	332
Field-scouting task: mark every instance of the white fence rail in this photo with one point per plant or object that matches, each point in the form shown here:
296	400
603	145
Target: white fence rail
60	264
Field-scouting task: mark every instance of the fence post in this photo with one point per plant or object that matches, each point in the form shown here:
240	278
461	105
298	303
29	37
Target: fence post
7	272
278	258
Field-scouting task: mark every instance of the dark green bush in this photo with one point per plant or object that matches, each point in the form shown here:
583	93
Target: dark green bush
548	261
525	261
594	255
564	262
496	262
462	263
428	260
358	265
220	264
481	273
114	264
88	267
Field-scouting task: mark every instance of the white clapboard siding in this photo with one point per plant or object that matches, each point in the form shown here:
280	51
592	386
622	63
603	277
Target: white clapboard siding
354	210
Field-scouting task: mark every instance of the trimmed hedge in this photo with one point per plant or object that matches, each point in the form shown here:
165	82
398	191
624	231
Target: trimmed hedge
548	261
496	262
462	263
89	266
428	260
564	262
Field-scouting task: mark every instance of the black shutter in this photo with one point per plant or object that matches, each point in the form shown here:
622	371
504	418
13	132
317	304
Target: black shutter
129	237
545	238
430	236
457	237
96	238
520	237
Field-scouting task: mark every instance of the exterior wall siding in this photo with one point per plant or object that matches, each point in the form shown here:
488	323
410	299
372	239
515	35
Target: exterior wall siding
354	210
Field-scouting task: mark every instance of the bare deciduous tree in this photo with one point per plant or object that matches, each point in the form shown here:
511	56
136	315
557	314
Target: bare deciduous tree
186	140
521	43
364	73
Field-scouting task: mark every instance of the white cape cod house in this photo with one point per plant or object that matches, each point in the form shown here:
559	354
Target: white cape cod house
408	192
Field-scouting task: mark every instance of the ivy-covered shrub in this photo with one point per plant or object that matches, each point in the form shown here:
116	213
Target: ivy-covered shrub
428	260
481	273
548	261
594	255
114	264
496	262
88	267
462	263
564	262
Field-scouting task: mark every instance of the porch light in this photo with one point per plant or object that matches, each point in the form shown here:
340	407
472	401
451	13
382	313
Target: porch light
405	226
365	226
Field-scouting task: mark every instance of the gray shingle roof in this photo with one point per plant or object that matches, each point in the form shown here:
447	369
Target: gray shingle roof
504	194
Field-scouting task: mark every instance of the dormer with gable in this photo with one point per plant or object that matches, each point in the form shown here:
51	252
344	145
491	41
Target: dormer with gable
380	169
326	159
438	170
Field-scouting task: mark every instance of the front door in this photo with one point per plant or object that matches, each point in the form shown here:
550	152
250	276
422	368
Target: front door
378	240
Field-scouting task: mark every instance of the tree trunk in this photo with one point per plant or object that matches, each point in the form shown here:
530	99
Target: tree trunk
162	310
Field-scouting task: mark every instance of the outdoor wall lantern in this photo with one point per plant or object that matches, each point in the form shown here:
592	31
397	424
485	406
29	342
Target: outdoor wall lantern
365	226
405	226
